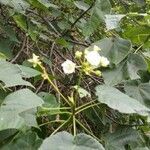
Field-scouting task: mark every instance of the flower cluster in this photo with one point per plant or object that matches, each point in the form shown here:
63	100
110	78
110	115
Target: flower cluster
90	61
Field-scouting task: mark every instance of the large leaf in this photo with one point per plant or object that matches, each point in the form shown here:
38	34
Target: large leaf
122	136
81	5
5	134
30	118
15	77
27	141
21	21
120	101
50	106
138	35
47	4
42	4
49	100
139	91
3	94
26	25
112	21
147	58
5	47
28	72
14	104
68	142
10	33
10	120
91	25
21	100
127	69
140	3
116	49
101	8
19	5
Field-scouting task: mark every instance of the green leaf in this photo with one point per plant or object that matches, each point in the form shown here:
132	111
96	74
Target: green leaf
81	5
115	49
10	120
147	58
9	31
42	4
30	118
19	5
27	141
138	35
140	3
14	104
7	69
91	25
101	8
49	100
62	41
47	4
21	100
50	103
127	69
21	21
6	134
5	47
26	25
122	136
68	142
28	72
3	94
139	91
120	101
112	21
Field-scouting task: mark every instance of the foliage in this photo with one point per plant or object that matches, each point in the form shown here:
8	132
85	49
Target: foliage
88	83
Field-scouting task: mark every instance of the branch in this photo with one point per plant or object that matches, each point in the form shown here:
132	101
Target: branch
22	49
72	26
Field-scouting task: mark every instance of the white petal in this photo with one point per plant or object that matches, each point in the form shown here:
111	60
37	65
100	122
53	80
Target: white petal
68	66
104	61
93	57
96	48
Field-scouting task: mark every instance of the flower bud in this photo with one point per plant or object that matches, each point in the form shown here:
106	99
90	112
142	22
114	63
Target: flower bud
98	73
78	54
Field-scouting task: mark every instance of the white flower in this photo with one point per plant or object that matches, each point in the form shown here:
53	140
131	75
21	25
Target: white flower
96	48
93	57
35	60
104	62
68	66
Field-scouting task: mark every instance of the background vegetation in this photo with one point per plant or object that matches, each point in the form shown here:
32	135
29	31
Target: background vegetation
111	112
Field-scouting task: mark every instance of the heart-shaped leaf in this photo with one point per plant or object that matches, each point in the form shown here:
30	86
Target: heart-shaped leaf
120	101
68	142
14	104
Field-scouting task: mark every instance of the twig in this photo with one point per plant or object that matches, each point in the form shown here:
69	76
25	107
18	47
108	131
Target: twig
77	42
22	48
72	26
39	87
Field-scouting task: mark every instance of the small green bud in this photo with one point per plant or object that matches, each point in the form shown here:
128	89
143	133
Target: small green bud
98	73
